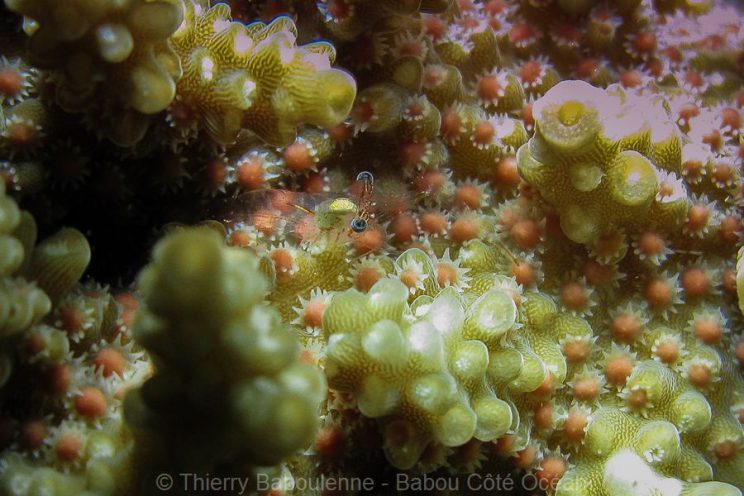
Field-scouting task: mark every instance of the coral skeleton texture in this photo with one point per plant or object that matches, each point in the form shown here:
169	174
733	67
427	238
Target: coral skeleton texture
315	247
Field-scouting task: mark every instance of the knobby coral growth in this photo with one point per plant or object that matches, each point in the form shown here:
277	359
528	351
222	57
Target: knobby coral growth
67	358
547	280
250	409
237	76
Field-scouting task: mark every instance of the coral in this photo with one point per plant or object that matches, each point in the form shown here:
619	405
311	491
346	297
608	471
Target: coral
23	304
67	436
237	76
537	277
603	164
266	397
422	367
34	278
187	55
114	52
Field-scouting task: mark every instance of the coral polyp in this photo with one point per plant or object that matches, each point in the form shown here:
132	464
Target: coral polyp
237	76
357	247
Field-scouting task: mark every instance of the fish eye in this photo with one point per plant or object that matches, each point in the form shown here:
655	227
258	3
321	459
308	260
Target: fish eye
358	225
365	176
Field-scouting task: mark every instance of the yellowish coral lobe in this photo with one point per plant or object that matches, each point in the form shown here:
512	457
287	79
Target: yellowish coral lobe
571	112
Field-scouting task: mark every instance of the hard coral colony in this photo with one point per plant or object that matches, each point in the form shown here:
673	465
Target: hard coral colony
541	279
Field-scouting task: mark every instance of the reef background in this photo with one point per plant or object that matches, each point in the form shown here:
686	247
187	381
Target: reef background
548	284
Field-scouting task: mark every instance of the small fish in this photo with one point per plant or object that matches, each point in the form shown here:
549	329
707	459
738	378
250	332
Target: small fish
304	216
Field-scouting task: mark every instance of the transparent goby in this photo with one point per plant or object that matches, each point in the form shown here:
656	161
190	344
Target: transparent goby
284	215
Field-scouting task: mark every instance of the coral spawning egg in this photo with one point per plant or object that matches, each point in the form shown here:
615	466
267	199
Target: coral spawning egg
731	225
313	313
575	424
468	196
68	447
574	296
91	403
314	183
430	181
403	228
739	352
645	42
726	449
366	277
250	173
339	133
363	113
586	388
525	458
434	27
577	351
618	369
543	415
71	318
596	273
546	387
215	174
110	361
697	217
446	274
370	241
506	174
651	244
708	331
525	233
729	280
339	9
35	343
451	125
699	375
11	82
284	262
298	156
32	434
464	229
667	351
524	273
530	72
658	293
695	283
490	88
240	239
433	223
637	399
21	133
413	153
58	378
551	470
484	133
521	34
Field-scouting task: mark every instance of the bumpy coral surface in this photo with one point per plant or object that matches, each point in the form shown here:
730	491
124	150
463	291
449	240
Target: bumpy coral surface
67	360
423	372
115	52
237	76
266	399
598	160
443	242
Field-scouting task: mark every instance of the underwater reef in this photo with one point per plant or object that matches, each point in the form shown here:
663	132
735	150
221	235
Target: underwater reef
355	247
